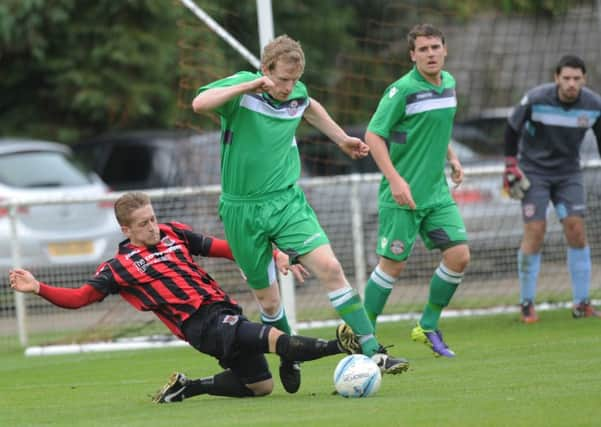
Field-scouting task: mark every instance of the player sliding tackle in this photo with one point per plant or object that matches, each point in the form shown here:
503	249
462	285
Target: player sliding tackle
153	270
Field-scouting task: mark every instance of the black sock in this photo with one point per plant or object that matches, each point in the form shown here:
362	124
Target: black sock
300	349
223	384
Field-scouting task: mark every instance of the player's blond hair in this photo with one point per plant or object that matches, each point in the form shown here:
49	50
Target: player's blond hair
423	30
128	203
285	49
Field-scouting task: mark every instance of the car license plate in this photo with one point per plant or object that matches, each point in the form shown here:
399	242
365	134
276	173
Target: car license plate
71	248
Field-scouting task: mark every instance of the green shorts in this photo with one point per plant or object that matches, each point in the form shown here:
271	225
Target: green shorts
440	227
253	225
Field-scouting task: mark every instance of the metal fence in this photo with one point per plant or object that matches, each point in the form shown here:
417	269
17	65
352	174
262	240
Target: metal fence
347	208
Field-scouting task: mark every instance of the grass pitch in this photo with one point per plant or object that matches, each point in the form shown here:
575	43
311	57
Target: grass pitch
505	374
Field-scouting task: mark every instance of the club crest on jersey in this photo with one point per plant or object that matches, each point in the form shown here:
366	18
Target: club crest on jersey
292	108
397	247
583	121
167	241
141	265
230	319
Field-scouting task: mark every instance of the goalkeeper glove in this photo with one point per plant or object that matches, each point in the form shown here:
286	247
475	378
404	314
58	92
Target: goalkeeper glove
515	182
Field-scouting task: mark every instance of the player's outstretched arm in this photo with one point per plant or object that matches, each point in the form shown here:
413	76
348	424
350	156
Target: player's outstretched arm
23	281
213	98
319	118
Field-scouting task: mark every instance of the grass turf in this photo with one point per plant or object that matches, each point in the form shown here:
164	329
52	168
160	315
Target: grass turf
505	373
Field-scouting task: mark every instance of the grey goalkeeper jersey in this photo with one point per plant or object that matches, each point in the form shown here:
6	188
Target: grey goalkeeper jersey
551	132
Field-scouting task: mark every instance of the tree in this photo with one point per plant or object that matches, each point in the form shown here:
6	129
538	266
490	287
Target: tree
73	68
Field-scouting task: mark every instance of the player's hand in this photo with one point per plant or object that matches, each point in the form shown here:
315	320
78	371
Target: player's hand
282	262
515	183
401	192
261	85
23	281
353	147
456	172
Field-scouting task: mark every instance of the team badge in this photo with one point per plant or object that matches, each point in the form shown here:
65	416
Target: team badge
141	265
397	247
292	108
167	241
583	121
529	210
230	319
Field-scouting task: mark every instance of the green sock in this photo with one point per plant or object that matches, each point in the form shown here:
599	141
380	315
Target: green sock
442	287
350	308
278	320
377	291
430	317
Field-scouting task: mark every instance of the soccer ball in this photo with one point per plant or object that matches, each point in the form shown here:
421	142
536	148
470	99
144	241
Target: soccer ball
357	376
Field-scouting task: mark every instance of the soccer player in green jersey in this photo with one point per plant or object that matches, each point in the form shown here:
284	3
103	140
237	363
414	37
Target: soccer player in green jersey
415	117
260	166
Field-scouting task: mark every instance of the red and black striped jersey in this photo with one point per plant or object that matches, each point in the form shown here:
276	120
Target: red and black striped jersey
163	278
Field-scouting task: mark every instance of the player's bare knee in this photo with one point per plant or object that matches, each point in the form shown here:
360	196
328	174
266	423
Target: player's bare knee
575	234
391	267
269	301
330	271
457	258
463	259
270	307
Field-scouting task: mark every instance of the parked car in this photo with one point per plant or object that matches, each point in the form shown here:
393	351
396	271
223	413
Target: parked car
53	233
153	159
141	160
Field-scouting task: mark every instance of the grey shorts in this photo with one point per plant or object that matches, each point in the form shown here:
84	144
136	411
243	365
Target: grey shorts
566	192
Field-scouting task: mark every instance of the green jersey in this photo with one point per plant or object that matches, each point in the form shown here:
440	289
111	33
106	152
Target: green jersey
416	117
258	152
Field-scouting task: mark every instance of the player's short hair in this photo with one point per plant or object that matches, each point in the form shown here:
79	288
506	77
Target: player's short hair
128	203
571	61
285	49
423	30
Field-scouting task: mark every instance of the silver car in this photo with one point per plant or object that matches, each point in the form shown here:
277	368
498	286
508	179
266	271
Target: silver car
53	234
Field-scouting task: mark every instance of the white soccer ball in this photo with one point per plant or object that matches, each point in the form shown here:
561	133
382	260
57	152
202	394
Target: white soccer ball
357	376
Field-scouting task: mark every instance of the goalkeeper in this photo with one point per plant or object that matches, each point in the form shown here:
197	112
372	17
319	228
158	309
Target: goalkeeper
542	164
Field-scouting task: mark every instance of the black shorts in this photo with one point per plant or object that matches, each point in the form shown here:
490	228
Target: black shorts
213	330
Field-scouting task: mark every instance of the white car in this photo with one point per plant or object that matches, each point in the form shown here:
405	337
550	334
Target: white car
52	234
